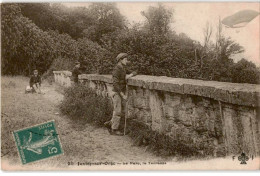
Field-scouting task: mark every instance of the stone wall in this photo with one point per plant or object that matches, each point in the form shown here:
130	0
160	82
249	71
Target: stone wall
217	118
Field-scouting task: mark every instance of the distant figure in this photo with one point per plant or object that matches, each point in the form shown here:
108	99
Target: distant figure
119	93
35	82
83	66
76	72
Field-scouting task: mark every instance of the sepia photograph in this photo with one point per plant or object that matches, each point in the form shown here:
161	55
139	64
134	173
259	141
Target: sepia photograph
130	86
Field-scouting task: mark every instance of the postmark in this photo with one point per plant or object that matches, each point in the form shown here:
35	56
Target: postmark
38	142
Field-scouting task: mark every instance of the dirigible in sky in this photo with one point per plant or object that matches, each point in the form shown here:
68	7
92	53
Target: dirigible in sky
240	19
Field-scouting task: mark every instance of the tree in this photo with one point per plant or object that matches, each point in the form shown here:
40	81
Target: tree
107	20
24	45
56	16
225	47
245	72
158	19
207	31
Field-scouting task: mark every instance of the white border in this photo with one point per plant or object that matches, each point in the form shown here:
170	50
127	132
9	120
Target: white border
135	173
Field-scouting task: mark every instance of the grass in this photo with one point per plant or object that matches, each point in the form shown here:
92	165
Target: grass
20	110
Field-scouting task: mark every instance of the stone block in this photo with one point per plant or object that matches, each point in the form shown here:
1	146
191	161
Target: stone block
141	102
187	103
231	131
156	106
172	99
250	134
184	118
156	126
92	85
146	93
168	111
169	125
139	92
199	119
214	123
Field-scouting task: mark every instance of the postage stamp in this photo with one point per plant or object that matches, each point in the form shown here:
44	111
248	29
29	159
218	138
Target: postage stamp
38	142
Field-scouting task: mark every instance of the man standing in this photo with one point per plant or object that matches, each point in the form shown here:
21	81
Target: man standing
83	66
119	92
35	82
76	72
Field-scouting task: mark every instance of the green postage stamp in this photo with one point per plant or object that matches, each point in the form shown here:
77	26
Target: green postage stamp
38	142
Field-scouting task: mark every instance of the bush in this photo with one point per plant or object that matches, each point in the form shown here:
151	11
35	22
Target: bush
245	72
82	103
24	45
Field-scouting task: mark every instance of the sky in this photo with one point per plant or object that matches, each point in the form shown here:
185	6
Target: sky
191	18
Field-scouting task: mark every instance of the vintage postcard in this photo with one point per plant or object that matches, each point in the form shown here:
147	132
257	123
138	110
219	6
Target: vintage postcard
130	86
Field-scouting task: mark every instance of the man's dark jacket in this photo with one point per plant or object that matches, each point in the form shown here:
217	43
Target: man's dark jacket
75	73
119	78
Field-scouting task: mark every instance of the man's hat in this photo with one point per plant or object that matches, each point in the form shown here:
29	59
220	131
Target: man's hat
121	56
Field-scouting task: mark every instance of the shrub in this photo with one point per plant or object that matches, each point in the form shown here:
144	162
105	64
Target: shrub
245	72
24	45
82	103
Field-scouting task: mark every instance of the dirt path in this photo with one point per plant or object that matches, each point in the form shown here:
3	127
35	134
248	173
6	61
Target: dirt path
80	142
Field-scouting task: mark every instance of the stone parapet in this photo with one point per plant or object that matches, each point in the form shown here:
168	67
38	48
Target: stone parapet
215	118
234	93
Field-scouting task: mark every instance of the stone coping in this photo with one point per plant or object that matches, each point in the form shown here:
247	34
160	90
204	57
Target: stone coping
67	73
234	93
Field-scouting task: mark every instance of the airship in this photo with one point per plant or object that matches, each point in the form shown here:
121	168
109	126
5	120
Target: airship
240	19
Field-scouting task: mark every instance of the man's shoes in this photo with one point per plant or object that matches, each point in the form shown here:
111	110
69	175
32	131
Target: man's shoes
111	131
116	133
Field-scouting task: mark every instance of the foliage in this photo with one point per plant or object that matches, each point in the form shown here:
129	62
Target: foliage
158	19
152	54
107	19
92	22
57	17
59	35
24	45
245	72
66	51
83	103
96	57
229	47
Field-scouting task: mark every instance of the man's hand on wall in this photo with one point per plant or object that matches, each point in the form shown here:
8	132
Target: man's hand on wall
134	73
131	75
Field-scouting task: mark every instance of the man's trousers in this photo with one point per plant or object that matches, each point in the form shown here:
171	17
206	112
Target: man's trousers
118	111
